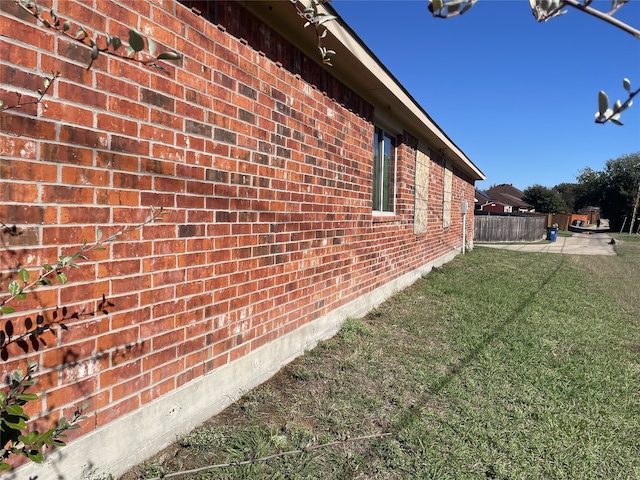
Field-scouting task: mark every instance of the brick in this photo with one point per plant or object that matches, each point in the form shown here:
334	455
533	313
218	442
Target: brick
18	192
158	390
114	411
76	292
64	194
87	16
124	371
119	268
157	133
129	145
70	394
82	136
111	84
157	99
28	34
158	358
112	123
26	170
67	354
166	119
130	387
23	214
84	215
119	338
15	124
80	94
138	316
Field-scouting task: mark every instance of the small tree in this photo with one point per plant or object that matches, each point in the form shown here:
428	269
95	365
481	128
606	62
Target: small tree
543	199
568	193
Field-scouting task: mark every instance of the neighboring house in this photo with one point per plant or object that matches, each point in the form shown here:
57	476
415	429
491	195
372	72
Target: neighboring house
506	195
297	195
497	207
485	203
481	199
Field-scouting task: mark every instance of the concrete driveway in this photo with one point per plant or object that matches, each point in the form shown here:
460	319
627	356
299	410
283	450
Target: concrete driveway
578	244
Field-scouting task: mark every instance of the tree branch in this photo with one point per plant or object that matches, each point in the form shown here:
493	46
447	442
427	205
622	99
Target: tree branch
605	17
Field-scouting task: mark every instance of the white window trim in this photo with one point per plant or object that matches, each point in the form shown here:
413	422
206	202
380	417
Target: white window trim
384	213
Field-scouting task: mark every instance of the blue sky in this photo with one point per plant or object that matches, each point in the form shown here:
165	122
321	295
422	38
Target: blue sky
517	96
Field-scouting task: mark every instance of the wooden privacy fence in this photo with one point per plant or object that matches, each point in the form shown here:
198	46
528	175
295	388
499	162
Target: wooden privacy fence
508	228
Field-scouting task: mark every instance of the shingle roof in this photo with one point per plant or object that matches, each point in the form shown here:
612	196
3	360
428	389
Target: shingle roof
509	195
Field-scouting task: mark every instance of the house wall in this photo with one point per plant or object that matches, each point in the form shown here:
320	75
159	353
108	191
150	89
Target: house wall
264	170
496	207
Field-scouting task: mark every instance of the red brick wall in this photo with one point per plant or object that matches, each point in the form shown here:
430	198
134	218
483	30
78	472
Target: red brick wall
266	183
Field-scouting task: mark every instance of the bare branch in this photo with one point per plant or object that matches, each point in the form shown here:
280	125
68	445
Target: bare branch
605	17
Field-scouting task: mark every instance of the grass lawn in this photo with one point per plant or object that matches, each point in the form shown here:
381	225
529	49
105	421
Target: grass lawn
499	365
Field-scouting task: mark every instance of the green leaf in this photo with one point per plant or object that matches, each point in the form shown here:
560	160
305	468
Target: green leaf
14	287
116	43
15	422
169	56
136	41
603	102
94	52
66	26
46	436
626	84
27	396
4	466
16	411
36	457
6	310
17	375
24	275
62	278
30	438
98	234
47	267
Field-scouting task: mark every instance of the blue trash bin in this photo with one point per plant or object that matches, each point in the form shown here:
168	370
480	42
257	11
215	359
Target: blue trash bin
552	234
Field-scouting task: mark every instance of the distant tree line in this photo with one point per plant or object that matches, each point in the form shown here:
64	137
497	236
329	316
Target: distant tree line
615	191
